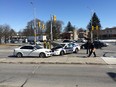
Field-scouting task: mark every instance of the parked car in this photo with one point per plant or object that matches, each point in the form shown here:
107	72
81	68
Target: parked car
67	41
76	47
62	49
31	50
97	44
82	40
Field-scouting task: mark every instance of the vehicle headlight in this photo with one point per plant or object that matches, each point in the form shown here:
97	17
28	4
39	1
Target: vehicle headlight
56	50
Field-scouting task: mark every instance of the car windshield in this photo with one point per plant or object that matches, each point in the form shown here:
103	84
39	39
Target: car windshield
62	45
59	46
38	47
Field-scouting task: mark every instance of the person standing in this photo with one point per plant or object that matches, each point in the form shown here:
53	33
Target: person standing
88	47
44	43
92	50
48	45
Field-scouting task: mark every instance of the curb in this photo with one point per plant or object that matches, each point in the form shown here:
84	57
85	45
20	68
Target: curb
86	63
65	60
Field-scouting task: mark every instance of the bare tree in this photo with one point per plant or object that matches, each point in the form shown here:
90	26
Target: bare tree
6	32
29	30
1	32
56	29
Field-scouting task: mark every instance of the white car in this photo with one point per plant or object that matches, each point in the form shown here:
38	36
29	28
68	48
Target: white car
76	47
62	49
31	50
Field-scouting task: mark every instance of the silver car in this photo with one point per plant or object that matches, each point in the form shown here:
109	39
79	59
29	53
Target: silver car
30	50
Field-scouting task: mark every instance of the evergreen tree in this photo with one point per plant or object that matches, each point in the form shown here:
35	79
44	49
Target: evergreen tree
69	27
94	25
94	22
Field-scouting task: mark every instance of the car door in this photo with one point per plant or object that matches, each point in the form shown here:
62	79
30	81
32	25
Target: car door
68	48
72	47
36	50
27	50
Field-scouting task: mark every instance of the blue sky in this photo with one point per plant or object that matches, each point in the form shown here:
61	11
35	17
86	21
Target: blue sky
17	13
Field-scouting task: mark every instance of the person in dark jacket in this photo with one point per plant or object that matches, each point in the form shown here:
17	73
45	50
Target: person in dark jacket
88	47
92	50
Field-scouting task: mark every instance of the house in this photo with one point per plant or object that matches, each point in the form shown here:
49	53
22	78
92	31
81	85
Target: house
71	35
108	33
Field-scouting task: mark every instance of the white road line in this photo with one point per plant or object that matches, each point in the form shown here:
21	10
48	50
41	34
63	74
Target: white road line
37	67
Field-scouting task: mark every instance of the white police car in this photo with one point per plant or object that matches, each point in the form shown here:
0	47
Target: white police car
62	49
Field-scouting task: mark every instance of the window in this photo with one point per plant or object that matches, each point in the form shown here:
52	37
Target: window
27	47
30	47
38	47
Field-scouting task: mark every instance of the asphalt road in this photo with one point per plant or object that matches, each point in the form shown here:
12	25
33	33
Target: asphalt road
31	75
57	75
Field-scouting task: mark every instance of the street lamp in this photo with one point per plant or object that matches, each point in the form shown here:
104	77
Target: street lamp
35	39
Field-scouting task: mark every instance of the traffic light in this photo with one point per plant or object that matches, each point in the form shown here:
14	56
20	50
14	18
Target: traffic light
43	26
92	27
39	24
97	27
54	18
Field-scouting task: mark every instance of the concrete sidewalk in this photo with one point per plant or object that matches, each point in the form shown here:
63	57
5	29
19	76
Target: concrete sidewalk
55	60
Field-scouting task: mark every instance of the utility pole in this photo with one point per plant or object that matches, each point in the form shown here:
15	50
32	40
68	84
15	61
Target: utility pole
35	37
51	28
91	24
91	30
53	20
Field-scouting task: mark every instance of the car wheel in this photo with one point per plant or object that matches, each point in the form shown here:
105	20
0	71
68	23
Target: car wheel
62	53
42	55
76	50
19	55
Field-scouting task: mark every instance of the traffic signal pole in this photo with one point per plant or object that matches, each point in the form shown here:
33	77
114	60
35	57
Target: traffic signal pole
92	28
91	34
53	20
91	24
51	29
35	37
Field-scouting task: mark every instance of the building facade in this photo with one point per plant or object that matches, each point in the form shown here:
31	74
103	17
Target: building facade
108	33
71	35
